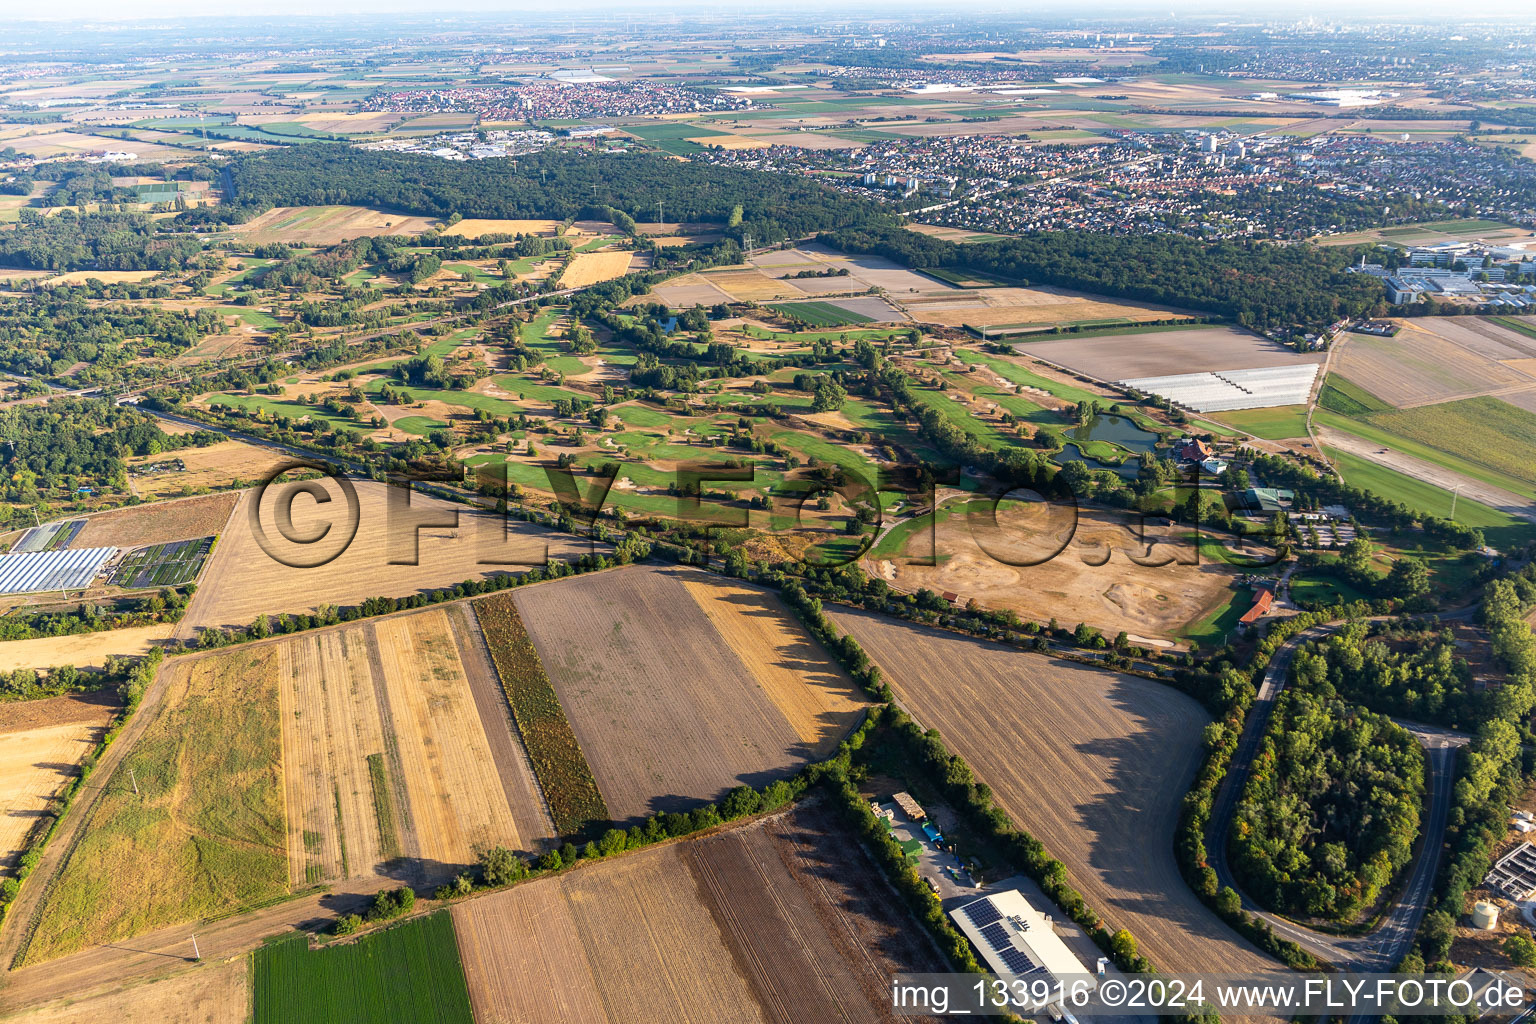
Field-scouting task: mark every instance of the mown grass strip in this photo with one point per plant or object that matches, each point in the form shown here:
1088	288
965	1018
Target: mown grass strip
562	769
383	808
411	972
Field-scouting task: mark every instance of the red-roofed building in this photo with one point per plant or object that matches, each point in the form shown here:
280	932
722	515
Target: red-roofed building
1260	607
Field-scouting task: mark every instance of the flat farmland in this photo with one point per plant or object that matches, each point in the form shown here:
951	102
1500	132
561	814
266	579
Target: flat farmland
82	650
749	285
1026	307
1431	360
408	972
42	743
326	225
212	994
816	696
782	920
158	522
1093	764
592	267
1010	563
203	835
472	227
1129	356
386	755
663	704
217	465
243	581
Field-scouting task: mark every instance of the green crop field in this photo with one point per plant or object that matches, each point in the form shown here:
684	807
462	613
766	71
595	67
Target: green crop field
1501	529
1347	398
1274	424
1481	437
410	972
163	565
820	314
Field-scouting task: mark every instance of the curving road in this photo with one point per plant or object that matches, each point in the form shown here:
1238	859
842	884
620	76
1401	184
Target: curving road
1381	948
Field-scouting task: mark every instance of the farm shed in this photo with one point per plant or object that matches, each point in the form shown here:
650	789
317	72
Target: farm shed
1016	939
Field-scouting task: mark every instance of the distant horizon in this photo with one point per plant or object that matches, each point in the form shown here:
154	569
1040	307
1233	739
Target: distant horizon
95	12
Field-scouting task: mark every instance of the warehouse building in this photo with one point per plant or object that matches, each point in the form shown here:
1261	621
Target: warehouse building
1016	939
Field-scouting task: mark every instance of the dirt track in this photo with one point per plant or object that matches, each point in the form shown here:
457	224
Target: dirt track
1419	469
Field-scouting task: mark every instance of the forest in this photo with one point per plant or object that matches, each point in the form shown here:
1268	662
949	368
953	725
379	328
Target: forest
1256	284
94	241
557	184
1330	811
82	440
1398	668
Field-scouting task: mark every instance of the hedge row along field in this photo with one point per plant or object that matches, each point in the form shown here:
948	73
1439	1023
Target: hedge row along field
410	972
569	788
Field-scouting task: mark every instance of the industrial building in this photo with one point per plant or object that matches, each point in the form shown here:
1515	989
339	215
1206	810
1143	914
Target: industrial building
1016	939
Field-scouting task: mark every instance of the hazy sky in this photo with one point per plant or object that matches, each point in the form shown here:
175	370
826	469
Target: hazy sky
113	10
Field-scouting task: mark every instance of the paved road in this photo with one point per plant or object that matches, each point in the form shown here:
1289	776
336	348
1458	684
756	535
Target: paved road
1382	947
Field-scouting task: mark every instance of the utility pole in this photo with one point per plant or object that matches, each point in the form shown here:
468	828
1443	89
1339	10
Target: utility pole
659	217
196	953
746	242
135	779
1454	492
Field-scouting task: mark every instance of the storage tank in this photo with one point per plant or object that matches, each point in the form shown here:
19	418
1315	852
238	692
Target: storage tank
1484	915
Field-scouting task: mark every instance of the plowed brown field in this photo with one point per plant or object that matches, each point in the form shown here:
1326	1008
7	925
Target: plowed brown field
664	709
671	934
1093	764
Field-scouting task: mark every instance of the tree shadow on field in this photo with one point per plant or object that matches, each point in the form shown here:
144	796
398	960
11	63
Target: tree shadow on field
1130	825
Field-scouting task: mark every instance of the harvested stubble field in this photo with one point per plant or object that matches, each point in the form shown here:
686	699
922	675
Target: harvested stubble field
1128	356
326	225
386	754
663	704
1006	563
213	994
592	267
995	307
1433	359
562	770
42	743
204	833
217	465
82	650
1093	764
157	523
782	920
472	227
242	581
